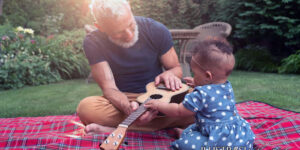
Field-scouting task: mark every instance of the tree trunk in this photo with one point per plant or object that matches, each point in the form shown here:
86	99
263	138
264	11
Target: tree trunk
1	4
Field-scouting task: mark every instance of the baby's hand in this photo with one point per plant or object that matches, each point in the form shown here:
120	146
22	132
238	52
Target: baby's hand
152	104
189	81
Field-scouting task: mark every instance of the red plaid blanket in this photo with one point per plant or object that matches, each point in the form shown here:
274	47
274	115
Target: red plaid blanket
274	128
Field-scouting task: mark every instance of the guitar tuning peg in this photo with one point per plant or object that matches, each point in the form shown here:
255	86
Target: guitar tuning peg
106	141
115	143
119	136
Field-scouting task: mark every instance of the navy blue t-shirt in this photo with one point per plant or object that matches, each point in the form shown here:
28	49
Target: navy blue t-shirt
136	66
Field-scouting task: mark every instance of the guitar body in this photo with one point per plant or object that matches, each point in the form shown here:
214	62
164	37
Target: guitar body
161	93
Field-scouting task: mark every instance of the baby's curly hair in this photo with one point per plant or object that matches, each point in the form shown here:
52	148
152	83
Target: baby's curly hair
215	54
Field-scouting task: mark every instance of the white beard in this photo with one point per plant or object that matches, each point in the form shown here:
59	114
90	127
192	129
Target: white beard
127	44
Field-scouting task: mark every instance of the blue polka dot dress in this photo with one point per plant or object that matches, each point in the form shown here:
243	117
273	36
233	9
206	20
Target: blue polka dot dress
217	123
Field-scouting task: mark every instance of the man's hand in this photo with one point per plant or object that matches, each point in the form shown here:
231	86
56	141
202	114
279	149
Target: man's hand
146	117
171	81
189	81
127	107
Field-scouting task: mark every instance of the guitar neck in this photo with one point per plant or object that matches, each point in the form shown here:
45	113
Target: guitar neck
133	116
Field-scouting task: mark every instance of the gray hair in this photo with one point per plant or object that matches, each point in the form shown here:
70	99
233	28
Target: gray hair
108	8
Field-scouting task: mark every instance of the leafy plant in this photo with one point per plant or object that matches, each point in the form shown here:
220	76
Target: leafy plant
26	59
291	64
21	61
65	53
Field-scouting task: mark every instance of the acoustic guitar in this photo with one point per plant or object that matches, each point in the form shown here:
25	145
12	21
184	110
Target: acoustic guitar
161	93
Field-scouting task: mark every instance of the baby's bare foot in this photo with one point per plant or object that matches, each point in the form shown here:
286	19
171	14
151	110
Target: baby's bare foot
97	129
178	132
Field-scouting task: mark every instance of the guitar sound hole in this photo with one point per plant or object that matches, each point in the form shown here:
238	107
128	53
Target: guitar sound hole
156	96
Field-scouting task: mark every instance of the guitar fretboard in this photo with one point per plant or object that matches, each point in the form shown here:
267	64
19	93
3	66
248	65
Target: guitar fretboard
133	116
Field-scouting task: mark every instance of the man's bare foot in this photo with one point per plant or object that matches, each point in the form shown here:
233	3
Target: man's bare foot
97	129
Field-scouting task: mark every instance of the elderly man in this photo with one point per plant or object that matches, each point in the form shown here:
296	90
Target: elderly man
126	53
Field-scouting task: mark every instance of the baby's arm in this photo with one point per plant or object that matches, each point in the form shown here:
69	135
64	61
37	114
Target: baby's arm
169	109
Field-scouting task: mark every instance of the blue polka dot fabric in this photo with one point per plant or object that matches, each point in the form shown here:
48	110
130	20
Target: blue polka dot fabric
217	122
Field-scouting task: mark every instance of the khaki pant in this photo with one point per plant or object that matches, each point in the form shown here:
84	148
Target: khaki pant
97	109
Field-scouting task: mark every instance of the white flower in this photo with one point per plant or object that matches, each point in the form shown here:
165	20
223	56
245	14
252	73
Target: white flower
29	31
19	29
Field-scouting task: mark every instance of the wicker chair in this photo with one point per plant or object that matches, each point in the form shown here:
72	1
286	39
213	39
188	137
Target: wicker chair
213	29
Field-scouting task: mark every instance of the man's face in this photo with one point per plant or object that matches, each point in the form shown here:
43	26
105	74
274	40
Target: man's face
122	31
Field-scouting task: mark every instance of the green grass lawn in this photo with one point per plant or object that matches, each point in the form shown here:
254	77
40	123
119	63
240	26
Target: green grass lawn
62	98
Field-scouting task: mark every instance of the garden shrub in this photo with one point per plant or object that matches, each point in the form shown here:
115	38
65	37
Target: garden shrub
21	61
26	59
255	59
291	64
66	55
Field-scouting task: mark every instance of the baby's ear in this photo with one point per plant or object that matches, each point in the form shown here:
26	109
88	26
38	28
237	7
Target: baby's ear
208	75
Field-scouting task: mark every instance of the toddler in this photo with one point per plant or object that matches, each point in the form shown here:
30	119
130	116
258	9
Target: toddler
217	122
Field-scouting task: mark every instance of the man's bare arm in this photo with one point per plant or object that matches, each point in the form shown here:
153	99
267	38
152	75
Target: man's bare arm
103	75
171	63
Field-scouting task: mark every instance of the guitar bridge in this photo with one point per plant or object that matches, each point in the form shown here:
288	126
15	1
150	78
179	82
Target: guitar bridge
162	87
